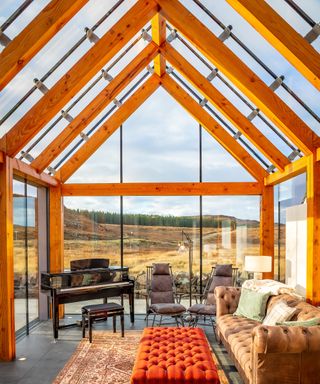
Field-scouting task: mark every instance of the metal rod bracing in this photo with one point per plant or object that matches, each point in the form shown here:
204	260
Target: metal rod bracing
301	12
260	62
15	14
283	138
75	102
70	152
222	121
59	62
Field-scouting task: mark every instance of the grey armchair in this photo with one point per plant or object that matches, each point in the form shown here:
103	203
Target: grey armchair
161	295
221	275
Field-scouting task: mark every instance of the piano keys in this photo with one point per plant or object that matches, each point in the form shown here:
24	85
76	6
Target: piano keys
86	284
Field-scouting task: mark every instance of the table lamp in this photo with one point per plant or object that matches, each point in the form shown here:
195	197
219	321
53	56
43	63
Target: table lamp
258	264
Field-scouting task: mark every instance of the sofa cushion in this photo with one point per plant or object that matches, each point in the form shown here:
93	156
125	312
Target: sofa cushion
306	323
306	311
279	313
252	304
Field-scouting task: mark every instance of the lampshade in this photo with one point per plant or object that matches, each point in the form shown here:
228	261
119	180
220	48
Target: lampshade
258	263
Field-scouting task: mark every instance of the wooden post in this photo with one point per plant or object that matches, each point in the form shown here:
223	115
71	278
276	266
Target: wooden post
313	226
267	227
56	235
7	324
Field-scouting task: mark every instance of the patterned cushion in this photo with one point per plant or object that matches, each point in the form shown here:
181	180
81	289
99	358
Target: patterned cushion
279	313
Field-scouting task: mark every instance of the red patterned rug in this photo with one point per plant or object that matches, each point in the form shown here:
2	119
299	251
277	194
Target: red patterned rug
109	359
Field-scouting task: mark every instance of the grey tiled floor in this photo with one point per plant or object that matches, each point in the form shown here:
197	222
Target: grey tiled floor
39	358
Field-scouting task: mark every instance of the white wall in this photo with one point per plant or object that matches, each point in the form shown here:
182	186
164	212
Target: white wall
296	247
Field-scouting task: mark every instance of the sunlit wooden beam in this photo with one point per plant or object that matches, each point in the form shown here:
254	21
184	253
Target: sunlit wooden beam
282	36
313	233
107	128
163	189
291	170
25	171
267	227
92	110
7	323
214	128
158	24
34	36
78	76
225	106
241	75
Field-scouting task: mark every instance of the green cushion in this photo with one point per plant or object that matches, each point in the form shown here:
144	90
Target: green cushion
252	304
304	323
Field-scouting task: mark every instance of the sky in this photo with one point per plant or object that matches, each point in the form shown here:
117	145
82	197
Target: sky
160	140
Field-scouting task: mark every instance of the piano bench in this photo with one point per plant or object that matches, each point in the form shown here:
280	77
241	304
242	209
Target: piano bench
91	313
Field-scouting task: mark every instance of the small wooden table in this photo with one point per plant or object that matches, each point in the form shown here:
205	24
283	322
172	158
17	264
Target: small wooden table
91	313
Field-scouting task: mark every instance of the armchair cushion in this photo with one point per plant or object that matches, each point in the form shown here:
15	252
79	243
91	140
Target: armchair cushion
223	270
161	269
252	304
203	309
167	308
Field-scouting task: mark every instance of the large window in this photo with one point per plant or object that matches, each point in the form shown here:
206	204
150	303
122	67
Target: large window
28	209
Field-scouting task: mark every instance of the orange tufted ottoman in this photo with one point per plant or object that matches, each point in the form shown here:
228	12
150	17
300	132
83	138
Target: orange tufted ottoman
174	355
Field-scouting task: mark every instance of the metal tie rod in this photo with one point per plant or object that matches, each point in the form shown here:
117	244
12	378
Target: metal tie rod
215	71
260	62
64	57
15	14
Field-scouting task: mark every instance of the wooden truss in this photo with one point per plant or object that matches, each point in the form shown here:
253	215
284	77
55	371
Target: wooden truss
30	41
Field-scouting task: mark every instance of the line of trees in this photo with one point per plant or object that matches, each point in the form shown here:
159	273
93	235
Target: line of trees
213	221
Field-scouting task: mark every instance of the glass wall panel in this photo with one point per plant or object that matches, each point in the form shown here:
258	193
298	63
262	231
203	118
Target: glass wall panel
91	230
162	230
26	255
230	230
290	209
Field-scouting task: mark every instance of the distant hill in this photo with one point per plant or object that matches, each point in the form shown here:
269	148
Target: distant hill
84	224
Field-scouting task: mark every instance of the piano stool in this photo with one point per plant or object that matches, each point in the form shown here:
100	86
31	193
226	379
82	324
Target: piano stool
91	313
174	355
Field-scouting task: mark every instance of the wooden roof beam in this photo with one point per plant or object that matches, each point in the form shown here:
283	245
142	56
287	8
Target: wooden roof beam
91	111
158	24
291	170
107	129
214	128
78	76
35	36
225	107
241	75
282	36
163	189
27	172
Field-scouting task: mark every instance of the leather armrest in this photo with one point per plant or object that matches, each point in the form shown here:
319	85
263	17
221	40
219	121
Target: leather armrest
227	299
277	339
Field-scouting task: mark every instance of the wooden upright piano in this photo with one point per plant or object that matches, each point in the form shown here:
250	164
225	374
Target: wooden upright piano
86	284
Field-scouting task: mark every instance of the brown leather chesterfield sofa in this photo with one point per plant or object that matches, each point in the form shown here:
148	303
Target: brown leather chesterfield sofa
269	354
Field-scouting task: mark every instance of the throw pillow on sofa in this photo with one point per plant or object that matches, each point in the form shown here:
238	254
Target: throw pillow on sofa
252	304
302	323
279	313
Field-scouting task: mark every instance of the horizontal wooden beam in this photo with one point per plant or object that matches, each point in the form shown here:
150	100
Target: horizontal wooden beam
240	75
162	189
77	77
225	107
213	128
96	106
291	170
107	128
35	35
26	171
282	36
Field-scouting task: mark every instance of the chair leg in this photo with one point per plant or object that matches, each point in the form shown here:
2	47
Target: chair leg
114	323
154	319
176	318
182	322
83	326
90	321
122	324
160	321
